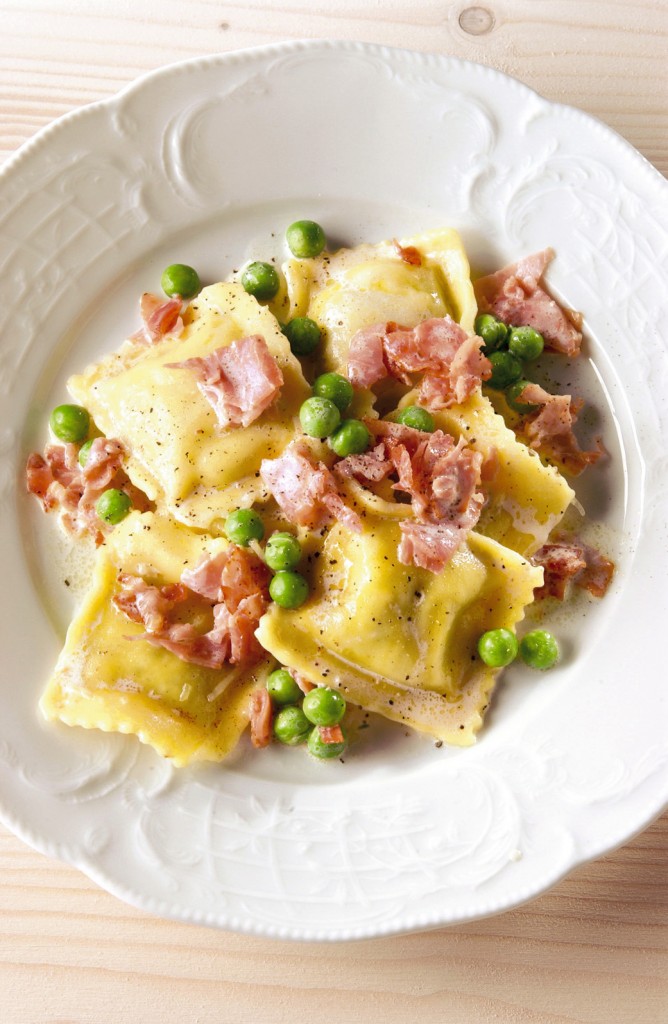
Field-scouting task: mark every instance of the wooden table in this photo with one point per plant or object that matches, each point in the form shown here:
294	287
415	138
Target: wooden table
594	948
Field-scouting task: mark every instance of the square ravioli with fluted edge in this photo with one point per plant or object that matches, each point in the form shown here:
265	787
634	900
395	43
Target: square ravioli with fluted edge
177	452
110	677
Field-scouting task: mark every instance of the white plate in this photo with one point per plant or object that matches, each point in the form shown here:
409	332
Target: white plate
200	163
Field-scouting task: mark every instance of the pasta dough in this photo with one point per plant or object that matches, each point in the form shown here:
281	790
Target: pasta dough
354	288
400	640
178	454
106	680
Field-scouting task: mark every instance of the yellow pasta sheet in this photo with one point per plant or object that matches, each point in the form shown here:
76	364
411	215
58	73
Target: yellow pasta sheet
355	288
193	469
399	640
104	680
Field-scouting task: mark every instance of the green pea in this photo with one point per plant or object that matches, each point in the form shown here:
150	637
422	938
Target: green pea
417	417
70	423
492	331
319	417
283	551
514	397
525	343
539	649
303	334
324	706
335	387
506	369
351	438
261	280
288	589
322	750
291	726
244	525
282	687
84	451
497	647
180	279
305	239
112	506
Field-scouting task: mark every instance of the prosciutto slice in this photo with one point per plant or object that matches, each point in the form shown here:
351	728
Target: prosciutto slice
260	717
441	477
372	466
233	583
564	561
432	545
408	253
550	430
331	733
239	381
159	318
55	477
305	491
60	483
304	684
150	605
517	296
450	360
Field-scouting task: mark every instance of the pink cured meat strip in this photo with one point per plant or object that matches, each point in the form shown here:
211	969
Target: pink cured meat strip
306	492
451	360
233	583
517	296
239	381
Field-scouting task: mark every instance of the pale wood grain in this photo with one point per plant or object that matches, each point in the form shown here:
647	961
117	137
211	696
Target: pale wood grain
594	949
605	56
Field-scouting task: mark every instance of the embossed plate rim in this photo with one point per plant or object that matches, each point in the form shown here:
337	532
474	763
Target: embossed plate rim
640	796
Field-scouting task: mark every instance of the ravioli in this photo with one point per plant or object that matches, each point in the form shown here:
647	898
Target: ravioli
106	680
400	640
355	288
185	462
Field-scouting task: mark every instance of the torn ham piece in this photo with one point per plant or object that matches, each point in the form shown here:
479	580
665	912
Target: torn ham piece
408	253
443	481
565	561
432	545
372	466
159	317
331	734
304	684
150	605
57	479
366	356
228	577
441	477
234	585
305	491
239	381
205	578
516	296
550	430
260	714
397	443
451	361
